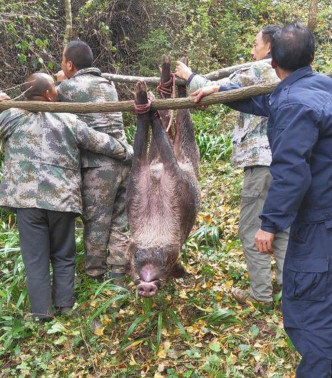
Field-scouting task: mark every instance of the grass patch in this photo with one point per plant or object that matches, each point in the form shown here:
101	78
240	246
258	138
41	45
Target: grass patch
192	328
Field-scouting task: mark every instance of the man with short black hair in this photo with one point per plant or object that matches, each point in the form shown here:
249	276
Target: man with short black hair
104	179
78	52
252	153
300	193
42	183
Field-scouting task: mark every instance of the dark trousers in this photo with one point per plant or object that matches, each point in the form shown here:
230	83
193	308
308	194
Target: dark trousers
46	236
307	297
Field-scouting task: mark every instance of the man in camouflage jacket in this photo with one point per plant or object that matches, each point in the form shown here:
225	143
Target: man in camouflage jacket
251	152
104	179
41	182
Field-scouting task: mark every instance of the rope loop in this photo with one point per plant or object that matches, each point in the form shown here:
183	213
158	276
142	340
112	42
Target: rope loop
167	87
143	108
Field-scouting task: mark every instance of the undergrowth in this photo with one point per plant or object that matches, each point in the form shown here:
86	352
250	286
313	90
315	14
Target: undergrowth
192	328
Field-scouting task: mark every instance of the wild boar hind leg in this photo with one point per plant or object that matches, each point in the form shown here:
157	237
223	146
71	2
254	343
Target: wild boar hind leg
185	147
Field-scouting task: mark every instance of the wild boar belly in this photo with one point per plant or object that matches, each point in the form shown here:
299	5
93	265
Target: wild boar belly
159	216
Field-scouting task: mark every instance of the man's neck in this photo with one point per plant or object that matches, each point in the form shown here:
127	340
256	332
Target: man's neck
39	98
281	73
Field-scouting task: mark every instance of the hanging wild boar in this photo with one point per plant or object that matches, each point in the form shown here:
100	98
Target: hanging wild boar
163	192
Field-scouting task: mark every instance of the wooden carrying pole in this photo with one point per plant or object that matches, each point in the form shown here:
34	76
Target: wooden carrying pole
215	75
128	106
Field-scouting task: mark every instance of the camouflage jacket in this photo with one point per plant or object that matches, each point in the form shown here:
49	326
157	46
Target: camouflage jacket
42	159
250	143
85	86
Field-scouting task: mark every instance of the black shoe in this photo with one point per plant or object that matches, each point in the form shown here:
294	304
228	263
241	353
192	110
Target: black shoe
66	311
116	271
99	278
111	275
40	319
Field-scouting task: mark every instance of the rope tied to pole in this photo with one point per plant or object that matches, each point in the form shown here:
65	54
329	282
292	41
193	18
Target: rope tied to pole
167	88
143	108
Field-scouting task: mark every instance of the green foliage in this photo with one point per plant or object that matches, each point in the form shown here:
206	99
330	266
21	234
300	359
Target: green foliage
192	328
28	36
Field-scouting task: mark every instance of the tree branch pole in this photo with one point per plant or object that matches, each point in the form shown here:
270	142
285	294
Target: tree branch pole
215	75
128	106
312	18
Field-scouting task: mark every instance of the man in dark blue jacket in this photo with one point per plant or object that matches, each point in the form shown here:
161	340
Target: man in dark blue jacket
300	194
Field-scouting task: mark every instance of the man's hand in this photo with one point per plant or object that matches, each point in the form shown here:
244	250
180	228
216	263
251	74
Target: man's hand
60	76
3	96
202	92
264	241
182	71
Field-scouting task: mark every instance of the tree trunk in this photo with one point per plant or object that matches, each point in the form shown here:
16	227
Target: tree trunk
69	23
312	19
215	75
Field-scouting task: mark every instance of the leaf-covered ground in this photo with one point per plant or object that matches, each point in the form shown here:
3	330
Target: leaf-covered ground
193	328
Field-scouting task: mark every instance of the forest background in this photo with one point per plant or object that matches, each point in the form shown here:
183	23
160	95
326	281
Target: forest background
193	328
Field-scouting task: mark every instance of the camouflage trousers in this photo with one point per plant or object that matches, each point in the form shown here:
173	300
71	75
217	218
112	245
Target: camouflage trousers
104	216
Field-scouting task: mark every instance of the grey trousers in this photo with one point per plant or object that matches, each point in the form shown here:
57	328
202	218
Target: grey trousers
48	236
255	186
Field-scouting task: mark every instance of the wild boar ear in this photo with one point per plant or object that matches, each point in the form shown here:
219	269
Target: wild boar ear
132	249
178	271
127	267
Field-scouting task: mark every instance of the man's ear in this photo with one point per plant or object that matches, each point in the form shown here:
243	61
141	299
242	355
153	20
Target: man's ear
269	49
48	96
70	66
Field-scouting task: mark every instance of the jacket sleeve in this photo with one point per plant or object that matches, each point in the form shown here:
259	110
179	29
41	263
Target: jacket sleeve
8	119
294	135
197	81
258	105
102	143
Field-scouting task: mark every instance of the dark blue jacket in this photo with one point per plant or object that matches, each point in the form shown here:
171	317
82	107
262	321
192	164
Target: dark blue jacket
300	136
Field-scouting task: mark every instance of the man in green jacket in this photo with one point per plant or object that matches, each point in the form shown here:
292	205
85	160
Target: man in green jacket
104	178
42	183
252	153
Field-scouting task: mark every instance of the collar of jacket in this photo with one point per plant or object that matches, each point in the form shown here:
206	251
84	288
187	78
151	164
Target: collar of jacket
291	79
294	76
91	71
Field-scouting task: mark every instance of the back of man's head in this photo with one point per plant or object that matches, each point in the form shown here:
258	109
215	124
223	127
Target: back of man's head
37	84
79	53
293	47
268	31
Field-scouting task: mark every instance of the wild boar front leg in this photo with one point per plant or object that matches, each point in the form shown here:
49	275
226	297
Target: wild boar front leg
142	133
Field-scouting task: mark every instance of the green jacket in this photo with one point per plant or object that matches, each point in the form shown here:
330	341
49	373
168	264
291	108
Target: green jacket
87	85
42	159
250	143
